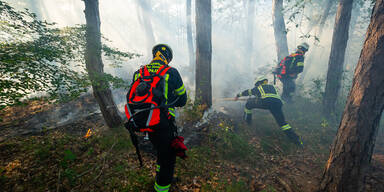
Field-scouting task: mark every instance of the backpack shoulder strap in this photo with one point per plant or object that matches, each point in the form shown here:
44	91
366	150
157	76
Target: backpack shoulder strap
144	71
163	70
141	72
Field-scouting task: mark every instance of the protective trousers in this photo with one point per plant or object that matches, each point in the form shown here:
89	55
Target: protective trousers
275	107
289	87
271	104
161	139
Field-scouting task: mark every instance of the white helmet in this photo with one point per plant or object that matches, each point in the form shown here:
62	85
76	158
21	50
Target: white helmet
261	79
303	46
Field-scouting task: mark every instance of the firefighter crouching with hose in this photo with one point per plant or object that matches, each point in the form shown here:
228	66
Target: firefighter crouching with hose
268	98
156	90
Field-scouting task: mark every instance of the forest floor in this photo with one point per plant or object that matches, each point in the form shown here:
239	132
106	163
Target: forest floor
224	154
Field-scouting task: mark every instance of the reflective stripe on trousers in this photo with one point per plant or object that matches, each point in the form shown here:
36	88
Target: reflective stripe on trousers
247	111
160	188
286	127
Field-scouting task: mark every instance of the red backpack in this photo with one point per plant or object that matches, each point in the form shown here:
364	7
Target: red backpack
144	98
285	65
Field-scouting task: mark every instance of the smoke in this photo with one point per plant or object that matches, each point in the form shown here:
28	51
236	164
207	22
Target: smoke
129	23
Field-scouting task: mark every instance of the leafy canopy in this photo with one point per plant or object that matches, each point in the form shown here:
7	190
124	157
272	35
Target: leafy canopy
36	57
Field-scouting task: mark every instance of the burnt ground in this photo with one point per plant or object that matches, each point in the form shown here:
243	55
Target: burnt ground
225	155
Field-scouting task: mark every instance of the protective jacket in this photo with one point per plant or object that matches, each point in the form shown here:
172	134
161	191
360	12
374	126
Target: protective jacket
291	65
264	92
173	85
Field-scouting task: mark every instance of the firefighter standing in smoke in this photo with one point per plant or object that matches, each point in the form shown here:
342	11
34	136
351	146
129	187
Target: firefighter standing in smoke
158	84
289	68
268	98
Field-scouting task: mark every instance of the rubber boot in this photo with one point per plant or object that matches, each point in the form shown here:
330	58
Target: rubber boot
293	137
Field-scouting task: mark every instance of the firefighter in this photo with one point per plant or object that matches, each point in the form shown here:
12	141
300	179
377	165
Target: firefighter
288	70
267	98
163	135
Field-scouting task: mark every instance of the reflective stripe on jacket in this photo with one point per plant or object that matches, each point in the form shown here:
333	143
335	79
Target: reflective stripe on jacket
262	91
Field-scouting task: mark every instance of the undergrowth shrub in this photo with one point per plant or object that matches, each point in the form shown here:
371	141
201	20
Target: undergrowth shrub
192	111
230	144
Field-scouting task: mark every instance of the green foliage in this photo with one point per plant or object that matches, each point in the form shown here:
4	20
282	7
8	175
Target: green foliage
229	144
269	189
70	174
68	158
316	90
226	187
237	186
3	178
69	155
139	179
90	151
36	57
192	111
295	9
42	153
119	137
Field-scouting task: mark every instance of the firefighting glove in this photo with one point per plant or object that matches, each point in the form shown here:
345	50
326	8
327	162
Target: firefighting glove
179	147
237	97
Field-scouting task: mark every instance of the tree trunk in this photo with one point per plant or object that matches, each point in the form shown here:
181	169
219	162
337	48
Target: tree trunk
352	149
95	65
249	35
279	29
203	52
336	58
189	34
327	6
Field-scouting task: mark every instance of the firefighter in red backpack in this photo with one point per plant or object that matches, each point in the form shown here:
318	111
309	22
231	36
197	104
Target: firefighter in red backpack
156	90
289	68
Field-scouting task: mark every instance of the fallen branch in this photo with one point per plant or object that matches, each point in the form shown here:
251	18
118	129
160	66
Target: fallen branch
58	181
100	166
87	171
285	185
104	161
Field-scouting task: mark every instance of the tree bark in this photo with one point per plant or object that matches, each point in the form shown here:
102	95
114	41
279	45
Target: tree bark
352	149
203	52
336	58
327	6
189	34
279	29
249	34
95	65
